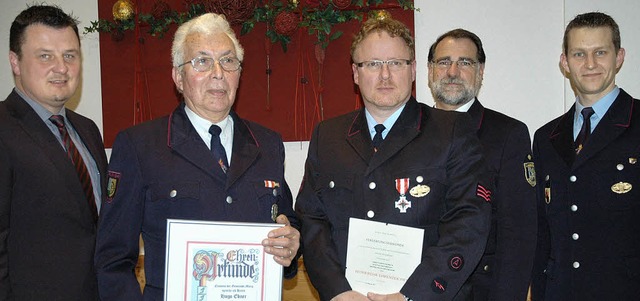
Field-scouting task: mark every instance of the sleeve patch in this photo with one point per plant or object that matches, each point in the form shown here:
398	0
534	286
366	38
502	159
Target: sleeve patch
483	192
112	185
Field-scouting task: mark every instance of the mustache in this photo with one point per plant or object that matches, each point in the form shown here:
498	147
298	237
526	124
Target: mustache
452	80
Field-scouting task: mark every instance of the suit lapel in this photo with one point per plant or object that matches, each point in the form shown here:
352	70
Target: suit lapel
185	141
35	127
87	134
476	112
245	150
613	124
359	138
406	128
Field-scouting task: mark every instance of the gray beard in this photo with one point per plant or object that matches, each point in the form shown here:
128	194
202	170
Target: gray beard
453	100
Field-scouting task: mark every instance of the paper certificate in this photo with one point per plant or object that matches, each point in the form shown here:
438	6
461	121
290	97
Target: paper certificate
381	256
208	261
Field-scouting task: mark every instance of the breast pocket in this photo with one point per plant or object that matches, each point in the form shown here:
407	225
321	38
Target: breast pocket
425	191
173	200
618	183
269	195
336	191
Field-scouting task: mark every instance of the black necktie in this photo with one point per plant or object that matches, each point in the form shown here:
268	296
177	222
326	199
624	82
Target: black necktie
377	139
217	150
76	159
585	131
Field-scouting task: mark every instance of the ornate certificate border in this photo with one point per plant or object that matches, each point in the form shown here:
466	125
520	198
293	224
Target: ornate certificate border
220	261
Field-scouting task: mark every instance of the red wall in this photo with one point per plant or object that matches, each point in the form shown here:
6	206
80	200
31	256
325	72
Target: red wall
142	67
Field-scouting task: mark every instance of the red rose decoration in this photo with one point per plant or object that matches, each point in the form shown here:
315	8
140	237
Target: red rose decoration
286	23
341	4
236	11
160	10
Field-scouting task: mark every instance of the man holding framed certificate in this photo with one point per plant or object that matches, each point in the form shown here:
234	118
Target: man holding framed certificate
202	162
394	164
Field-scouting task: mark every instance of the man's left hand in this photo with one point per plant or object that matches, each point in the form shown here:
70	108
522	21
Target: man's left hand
283	243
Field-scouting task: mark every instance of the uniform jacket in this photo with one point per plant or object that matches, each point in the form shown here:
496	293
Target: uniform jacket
162	169
504	271
588	206
344	178
47	232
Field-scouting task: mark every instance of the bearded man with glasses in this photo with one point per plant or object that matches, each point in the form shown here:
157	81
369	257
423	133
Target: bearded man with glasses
395	161
456	69
202	162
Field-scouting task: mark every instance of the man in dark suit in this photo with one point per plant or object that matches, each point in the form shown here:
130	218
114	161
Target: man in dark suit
51	162
456	68
589	187
179	167
355	168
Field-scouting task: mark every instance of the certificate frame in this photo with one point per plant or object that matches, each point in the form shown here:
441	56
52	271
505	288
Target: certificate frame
208	260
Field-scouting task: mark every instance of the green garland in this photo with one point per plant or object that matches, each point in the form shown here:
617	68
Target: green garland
317	21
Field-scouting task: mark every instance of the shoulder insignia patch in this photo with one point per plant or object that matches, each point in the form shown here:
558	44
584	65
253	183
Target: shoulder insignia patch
112	185
530	171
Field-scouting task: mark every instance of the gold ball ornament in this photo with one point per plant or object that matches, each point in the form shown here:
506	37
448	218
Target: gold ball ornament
123	10
380	14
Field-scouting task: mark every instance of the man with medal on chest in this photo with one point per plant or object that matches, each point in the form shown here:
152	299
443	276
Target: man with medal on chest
399	162
587	163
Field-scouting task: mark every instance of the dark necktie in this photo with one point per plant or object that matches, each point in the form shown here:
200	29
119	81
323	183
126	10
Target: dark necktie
585	131
377	139
76	159
217	150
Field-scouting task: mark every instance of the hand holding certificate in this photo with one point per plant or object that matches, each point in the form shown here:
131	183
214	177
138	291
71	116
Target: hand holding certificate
381	256
220	261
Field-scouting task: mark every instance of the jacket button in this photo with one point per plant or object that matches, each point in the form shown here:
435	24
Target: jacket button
372	185
173	193
575	236
486	268
419	179
370	214
332	184
619	167
574	208
275	192
576	264
229	199
573	178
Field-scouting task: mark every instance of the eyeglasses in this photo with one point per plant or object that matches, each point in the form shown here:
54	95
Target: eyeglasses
461	63
376	65
204	64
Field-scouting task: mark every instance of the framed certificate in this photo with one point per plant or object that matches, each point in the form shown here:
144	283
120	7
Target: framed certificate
220	261
381	256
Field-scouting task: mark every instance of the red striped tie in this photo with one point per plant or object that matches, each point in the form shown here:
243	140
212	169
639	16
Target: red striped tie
76	159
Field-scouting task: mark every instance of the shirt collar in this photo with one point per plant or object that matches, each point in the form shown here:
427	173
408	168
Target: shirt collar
40	110
202	126
600	107
466	106
388	123
462	108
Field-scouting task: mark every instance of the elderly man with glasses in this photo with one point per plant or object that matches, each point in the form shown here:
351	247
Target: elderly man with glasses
202	162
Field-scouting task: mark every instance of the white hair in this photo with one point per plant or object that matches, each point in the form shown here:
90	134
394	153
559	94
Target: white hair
208	24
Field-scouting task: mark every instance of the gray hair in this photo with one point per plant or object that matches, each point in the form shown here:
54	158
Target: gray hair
208	24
